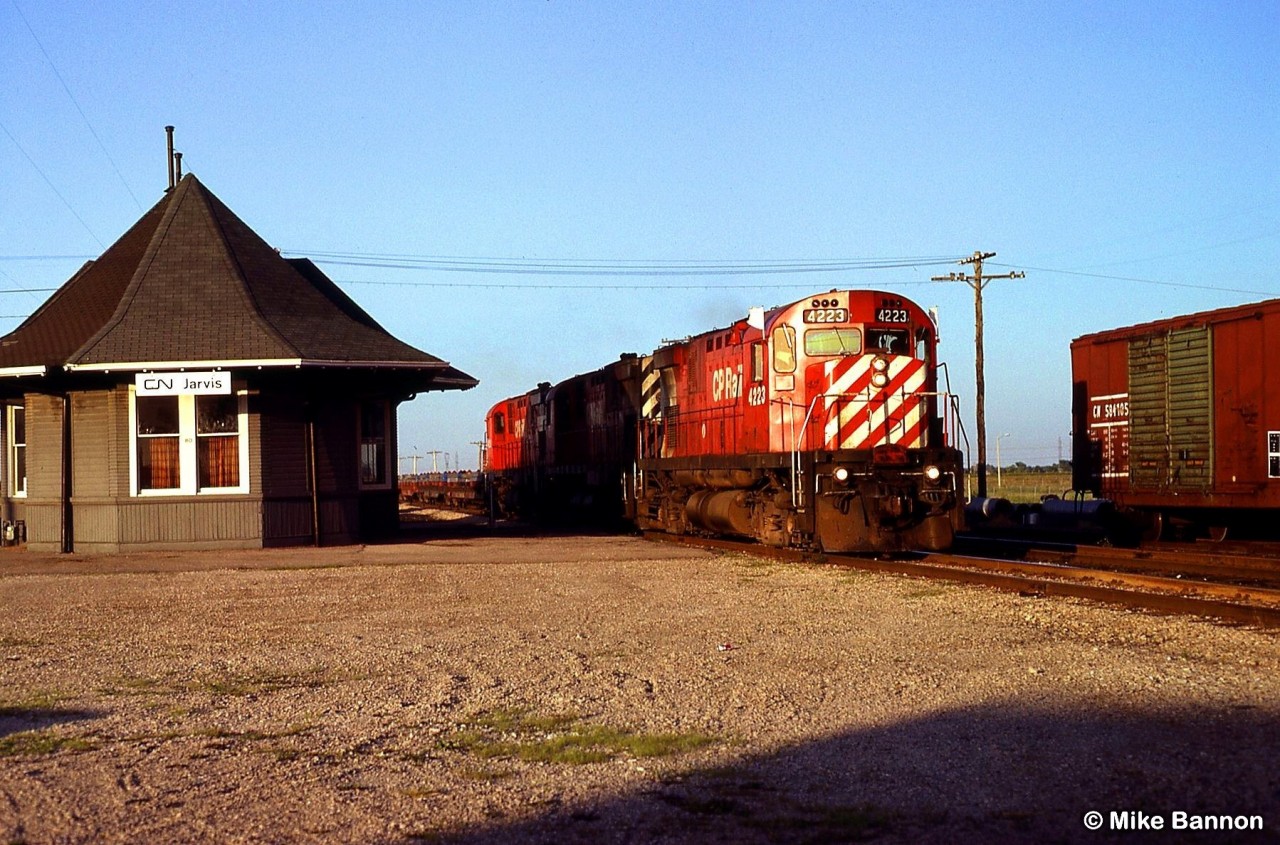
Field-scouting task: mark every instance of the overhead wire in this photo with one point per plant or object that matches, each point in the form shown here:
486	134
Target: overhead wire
604	268
76	103
1137	279
52	187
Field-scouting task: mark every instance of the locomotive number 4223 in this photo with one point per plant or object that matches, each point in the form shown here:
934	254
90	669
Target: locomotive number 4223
826	315
891	315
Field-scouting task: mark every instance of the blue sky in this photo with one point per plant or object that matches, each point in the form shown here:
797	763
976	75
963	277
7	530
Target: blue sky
1126	155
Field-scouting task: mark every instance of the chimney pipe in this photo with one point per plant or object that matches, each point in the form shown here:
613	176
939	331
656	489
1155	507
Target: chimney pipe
177	163
168	130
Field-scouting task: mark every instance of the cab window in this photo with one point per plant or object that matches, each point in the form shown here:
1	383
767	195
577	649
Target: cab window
784	349
757	362
833	341
893	341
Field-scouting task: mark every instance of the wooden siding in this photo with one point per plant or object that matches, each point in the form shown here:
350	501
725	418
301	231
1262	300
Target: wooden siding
44	471
276	511
287	522
93	437
287	505
283	435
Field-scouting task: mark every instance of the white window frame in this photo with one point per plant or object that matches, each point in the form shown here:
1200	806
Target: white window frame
17	486
188	455
388	467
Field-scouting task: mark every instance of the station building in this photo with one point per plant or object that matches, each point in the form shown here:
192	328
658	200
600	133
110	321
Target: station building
192	388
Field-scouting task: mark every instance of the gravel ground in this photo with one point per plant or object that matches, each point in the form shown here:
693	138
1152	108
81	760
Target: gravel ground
504	688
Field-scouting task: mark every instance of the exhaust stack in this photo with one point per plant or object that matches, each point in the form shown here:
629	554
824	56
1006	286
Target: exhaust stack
168	131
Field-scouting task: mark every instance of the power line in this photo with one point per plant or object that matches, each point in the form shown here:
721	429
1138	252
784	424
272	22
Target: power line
76	103
1142	281
545	286
614	267
52	187
47	257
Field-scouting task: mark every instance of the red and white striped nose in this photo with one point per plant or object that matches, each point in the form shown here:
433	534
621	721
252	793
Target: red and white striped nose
874	400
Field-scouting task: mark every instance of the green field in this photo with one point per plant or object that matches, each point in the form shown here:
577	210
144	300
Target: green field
1021	486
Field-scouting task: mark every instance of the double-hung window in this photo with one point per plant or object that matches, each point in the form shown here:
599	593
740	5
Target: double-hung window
16	428
375	452
188	445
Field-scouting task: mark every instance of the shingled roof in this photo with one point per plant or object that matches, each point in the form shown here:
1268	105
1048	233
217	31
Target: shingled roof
190	284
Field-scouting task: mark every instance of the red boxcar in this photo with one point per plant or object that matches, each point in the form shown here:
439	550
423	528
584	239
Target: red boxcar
1178	421
816	424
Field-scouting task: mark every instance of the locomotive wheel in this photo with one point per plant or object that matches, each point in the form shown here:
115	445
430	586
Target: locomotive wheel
1216	533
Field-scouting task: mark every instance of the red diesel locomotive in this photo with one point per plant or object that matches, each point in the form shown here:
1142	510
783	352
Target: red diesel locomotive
818	424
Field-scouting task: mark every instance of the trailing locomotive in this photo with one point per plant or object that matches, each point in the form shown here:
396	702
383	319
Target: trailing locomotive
817	424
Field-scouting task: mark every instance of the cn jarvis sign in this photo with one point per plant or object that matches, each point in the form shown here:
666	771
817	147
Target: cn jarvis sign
182	384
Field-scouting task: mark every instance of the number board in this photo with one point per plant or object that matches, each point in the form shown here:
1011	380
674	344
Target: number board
826	315
827	308
892	314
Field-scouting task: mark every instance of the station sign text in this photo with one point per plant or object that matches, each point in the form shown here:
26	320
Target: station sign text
183	384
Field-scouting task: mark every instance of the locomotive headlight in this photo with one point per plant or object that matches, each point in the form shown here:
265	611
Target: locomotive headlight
841	474
932	473
879	364
879	379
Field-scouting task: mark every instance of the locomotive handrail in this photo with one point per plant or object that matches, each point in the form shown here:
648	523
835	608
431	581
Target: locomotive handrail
796	499
959	420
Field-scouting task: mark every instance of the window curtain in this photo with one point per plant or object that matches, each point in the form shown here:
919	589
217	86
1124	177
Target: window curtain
219	461
158	463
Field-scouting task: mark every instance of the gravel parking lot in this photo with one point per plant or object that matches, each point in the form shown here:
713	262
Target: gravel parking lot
497	687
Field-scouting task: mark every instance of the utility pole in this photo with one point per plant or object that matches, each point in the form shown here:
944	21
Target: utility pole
978	281
434	453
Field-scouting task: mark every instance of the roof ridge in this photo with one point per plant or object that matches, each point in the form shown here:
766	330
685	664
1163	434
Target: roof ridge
135	280
246	291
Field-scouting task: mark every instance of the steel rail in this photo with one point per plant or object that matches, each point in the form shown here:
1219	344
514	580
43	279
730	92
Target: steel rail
1064	584
1211	563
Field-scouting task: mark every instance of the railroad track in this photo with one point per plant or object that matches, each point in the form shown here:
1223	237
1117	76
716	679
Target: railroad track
1212	563
1085	578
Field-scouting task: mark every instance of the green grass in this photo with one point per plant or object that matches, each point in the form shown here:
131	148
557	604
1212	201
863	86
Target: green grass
236	685
561	739
35	704
1025	487
39	743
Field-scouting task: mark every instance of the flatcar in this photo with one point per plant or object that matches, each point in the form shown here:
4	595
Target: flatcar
819	424
1178	421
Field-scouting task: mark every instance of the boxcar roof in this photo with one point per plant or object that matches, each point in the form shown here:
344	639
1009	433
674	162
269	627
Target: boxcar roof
1200	318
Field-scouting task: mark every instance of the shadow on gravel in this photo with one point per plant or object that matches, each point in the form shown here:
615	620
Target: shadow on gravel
1000	774
21	719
